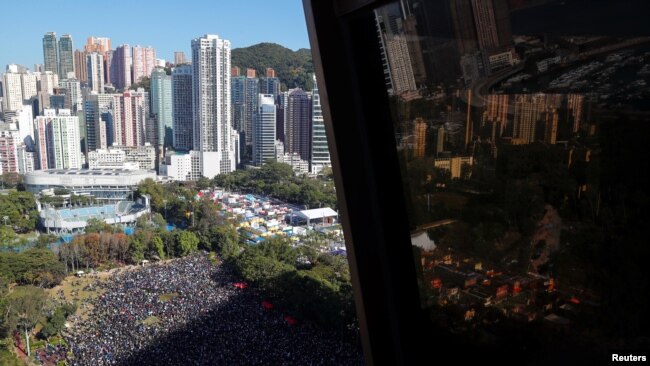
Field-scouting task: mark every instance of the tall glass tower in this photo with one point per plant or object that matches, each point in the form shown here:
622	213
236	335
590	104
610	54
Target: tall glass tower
50	52
66	56
320	154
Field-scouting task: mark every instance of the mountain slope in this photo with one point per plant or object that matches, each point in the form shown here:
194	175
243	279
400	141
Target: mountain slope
293	68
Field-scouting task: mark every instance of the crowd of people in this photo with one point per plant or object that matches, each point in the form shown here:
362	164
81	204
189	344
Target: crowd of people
188	312
51	355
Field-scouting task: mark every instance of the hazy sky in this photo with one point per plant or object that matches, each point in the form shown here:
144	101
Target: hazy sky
166	25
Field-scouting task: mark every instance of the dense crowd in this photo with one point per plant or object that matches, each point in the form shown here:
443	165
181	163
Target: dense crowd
188	312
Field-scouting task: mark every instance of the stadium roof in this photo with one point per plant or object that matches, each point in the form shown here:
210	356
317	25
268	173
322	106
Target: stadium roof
318	213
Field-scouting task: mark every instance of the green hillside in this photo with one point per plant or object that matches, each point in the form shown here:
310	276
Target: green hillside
294	68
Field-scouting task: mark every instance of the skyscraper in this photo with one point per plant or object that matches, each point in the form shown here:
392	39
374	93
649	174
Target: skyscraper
95	64
251	93
161	105
486	26
398	68
320	154
66	59
50	52
144	60
182	107
121	67
297	124
213	134
420	133
264	130
81	67
58	140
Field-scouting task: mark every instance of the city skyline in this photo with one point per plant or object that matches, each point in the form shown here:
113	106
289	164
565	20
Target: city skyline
24	47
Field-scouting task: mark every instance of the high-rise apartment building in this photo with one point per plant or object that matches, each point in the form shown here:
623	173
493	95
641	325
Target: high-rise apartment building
320	154
398	68
66	56
95	65
50	52
73	97
9	144
486	26
161	105
58	140
264	130
179	58
297	124
213	134
420	138
270	84
121	64
18	87
97	44
182	110
12	91
47	81
144	60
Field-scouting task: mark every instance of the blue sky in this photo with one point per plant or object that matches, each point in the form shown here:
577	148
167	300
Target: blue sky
166	25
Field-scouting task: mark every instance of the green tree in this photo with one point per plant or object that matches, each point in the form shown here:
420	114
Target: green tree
24	309
96	225
278	248
185	242
261	270
157	247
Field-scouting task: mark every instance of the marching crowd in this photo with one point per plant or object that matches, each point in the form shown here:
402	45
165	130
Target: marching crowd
188	312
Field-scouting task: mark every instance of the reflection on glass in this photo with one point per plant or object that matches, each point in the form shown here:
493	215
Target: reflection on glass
521	161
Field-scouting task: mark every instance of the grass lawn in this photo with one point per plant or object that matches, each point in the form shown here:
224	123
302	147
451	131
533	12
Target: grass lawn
168	296
152	320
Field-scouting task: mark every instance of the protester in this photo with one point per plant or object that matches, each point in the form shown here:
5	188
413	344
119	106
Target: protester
201	319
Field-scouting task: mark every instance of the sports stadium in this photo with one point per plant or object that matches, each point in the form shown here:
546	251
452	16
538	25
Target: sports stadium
112	188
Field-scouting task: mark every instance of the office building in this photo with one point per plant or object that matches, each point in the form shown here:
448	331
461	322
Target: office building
58	143
297	124
264	130
95	65
66	57
123	157
161	105
181	166
121	63
213	134
144	60
50	52
81	67
320	154
182	107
